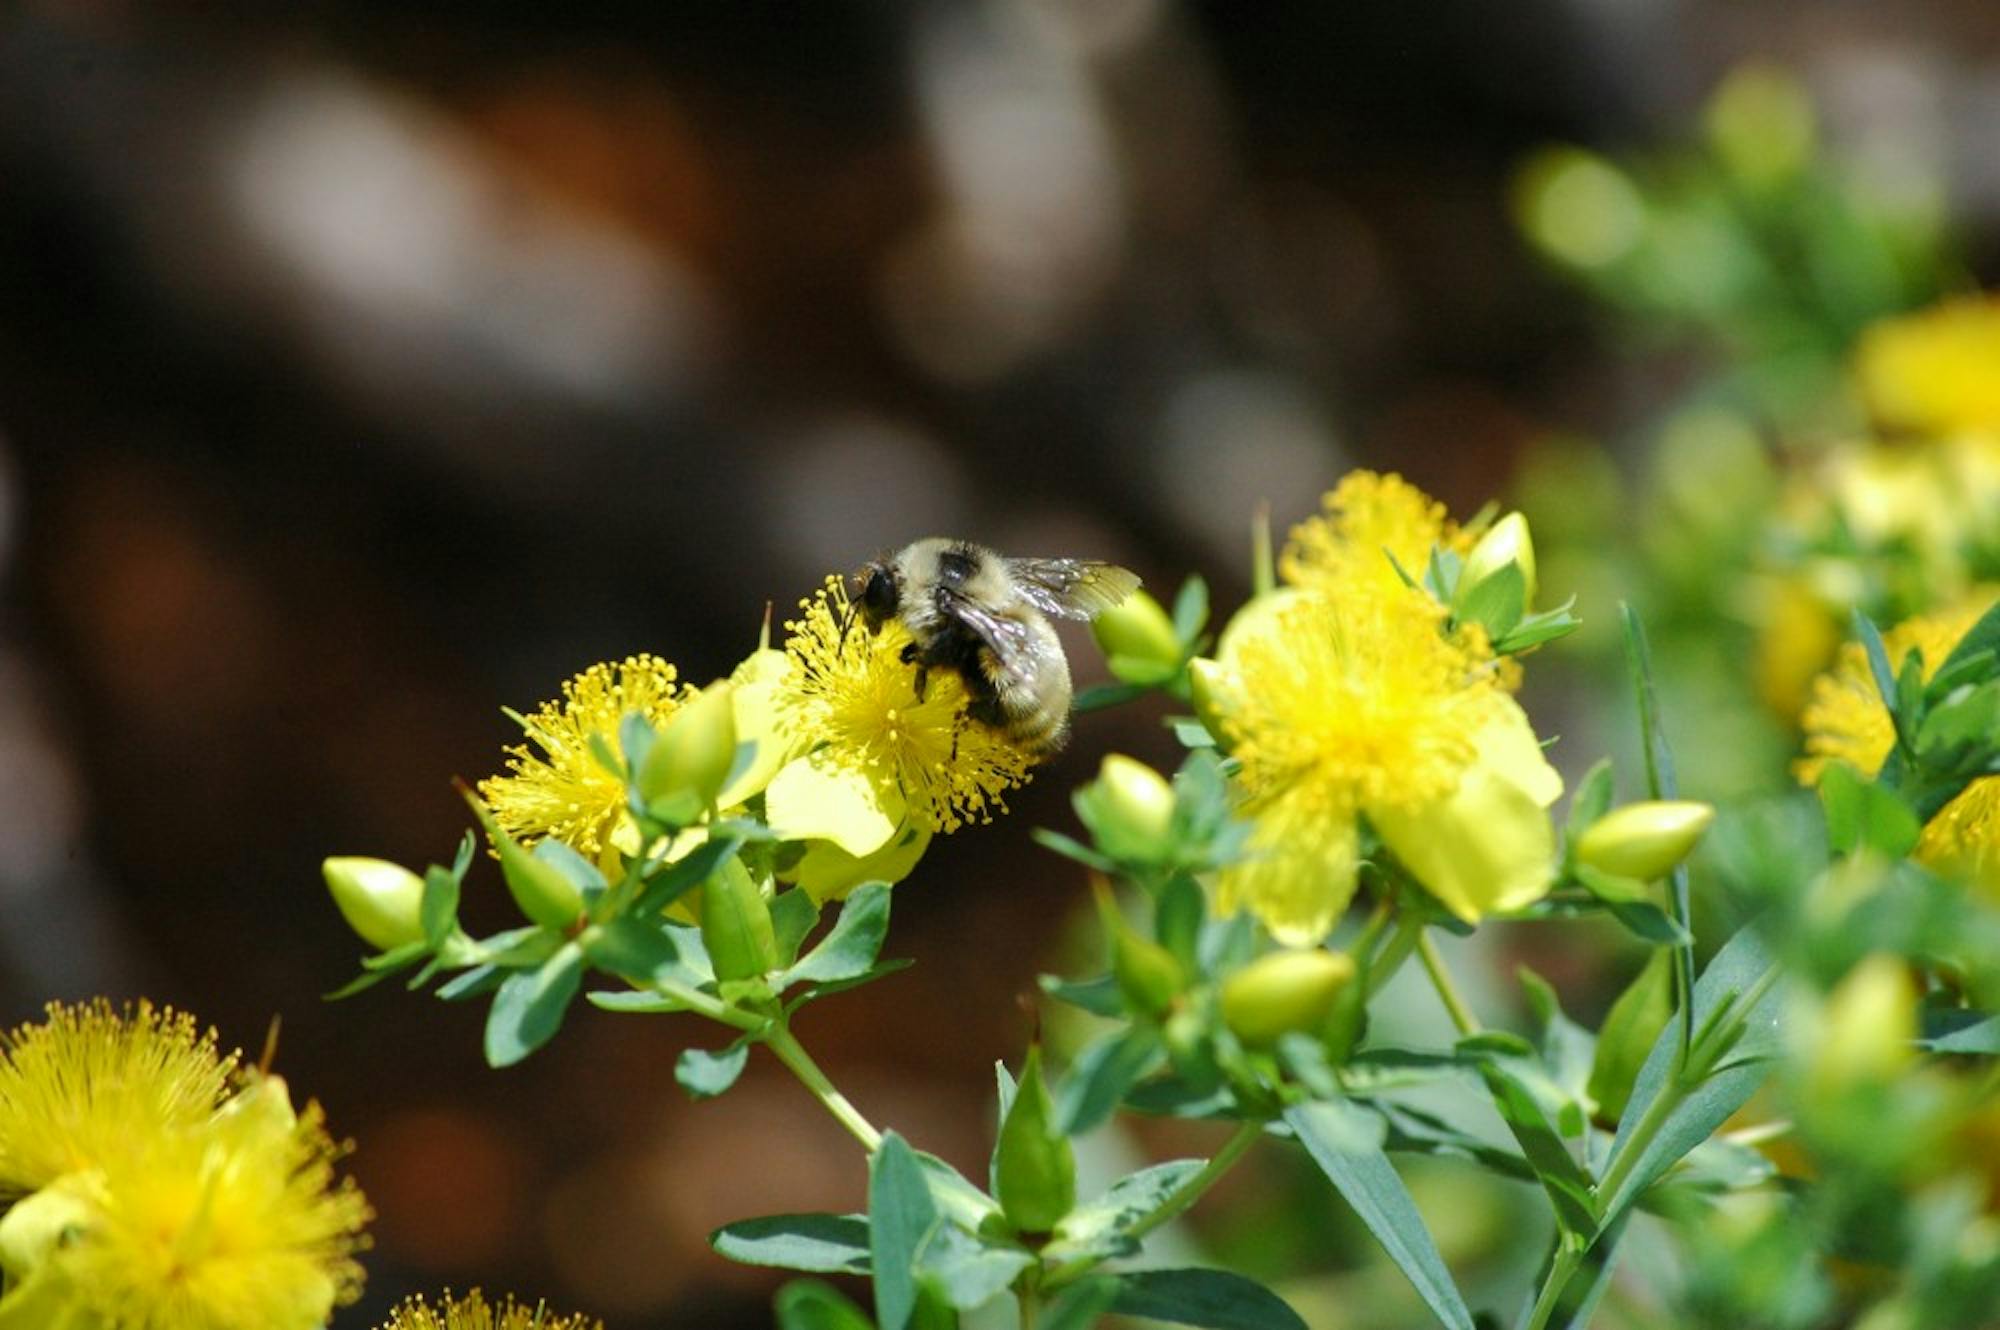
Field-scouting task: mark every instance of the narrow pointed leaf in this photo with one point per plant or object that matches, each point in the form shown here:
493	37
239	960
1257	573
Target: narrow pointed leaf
901	1217
1215	1299
1364	1177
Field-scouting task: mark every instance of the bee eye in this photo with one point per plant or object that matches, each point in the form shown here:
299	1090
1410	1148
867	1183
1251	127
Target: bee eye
878	598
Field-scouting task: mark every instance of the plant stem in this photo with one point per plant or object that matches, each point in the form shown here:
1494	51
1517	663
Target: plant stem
1174	1202
1447	991
789	1051
1025	1299
1561	1267
1409	927
1655	1117
714	1008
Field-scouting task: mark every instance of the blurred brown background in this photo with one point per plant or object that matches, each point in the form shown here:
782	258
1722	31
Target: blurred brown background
366	367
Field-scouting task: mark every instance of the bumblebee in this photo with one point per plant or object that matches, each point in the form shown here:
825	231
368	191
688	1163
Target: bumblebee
985	616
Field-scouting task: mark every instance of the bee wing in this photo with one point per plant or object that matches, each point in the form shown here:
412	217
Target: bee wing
1011	640
1071	588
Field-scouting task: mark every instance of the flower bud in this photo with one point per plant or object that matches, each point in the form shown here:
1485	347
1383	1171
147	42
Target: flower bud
543	892
1138	639
1034	1169
736	924
1282	992
1644	840
690	760
1148	974
381	901
1867	1027
1506	541
1129	808
1209	689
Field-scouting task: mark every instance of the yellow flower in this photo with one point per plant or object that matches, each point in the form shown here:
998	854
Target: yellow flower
1845	721
564	791
1936	371
1367	519
220	1213
473	1312
870	764
90	1078
1360	704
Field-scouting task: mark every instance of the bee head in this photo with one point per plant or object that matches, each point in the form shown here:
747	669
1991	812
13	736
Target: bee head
881	593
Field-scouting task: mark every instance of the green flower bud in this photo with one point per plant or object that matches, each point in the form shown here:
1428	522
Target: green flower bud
1148	974
1282	992
736	924
1034	1171
687	765
1506	541
1627	1036
1138	639
1867	1028
543	892
1209	689
1129	808
381	901
1644	840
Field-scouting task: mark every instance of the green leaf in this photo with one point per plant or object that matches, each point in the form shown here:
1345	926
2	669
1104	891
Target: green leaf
1497	603
1097	1228
684	874
1413	1131
901	1218
1536	629
1861	814
528	1008
1190	733
1335	1134
1101	1075
807	1304
1947	1030
1592	799
851	945
1740	965
1661	783
793	915
582	873
1190	609
475	982
634	949
369	977
1099	696
1541	1145
821	1243
1567	1048
1100	996
705	1075
1216	1299
1079	1306
1178	917
437	911
1034	1170
1070	848
967	1272
1884	674
1983	636
1630	1029
632	1002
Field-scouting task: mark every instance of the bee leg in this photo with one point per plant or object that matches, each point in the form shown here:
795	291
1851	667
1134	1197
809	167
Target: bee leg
923	678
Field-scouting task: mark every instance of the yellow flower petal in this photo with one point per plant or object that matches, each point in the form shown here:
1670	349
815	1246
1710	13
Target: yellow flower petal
757	681
820	797
1487	846
1299	874
829	873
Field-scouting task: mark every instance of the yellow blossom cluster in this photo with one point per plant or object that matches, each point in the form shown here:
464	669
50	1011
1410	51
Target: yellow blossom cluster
160	1186
1902	522
1846	721
1349	695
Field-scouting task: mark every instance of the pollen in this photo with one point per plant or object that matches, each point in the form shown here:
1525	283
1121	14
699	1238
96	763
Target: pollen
474	1312
90	1077
559	787
1357	702
850	696
1369	525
